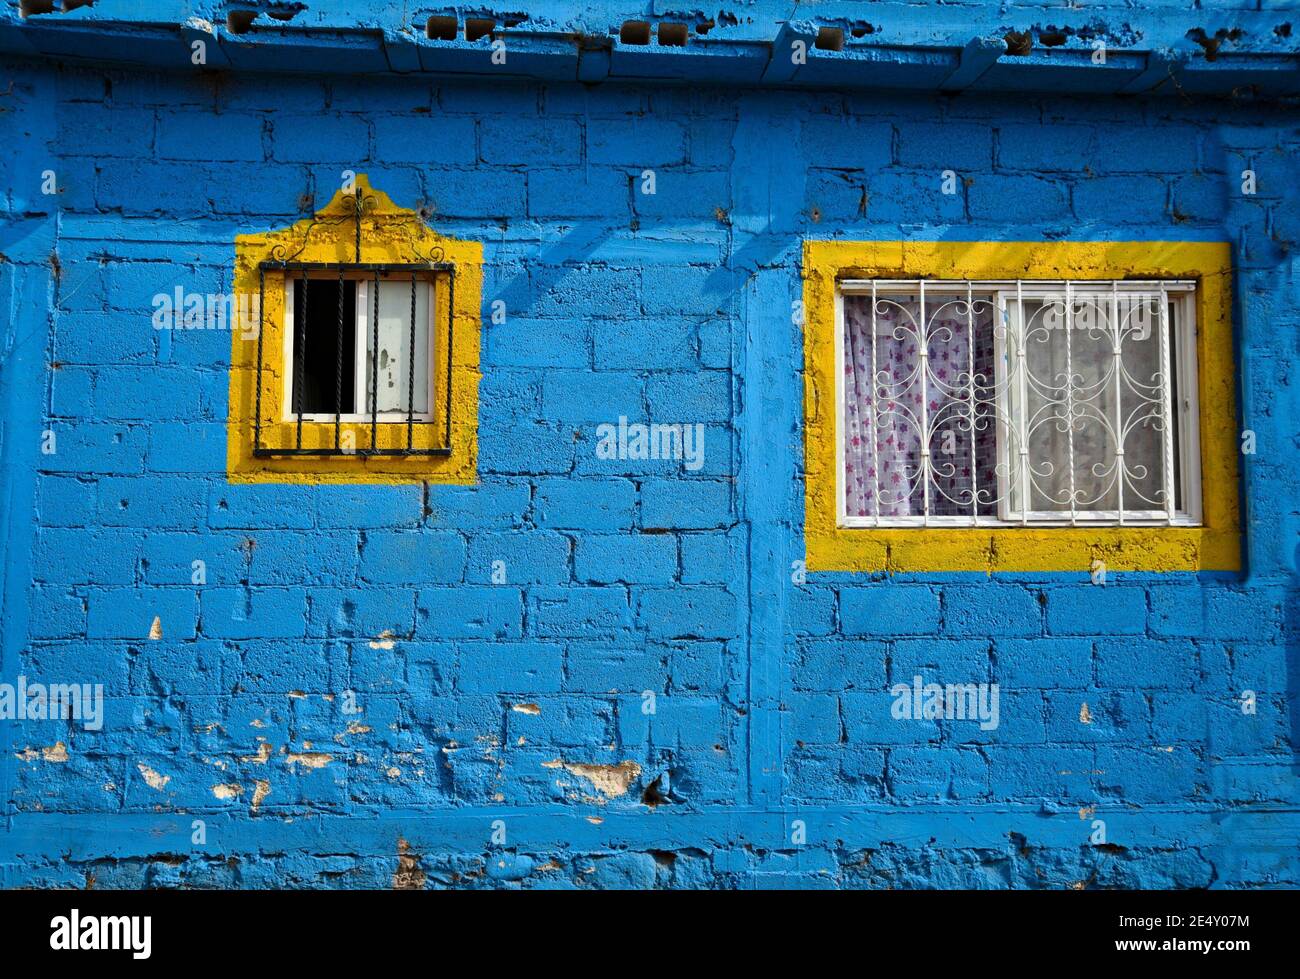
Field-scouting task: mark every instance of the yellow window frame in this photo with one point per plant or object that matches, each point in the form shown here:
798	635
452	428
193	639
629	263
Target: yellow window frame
1215	545
388	234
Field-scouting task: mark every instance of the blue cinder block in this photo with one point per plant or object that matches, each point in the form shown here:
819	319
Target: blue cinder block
897	610
254	613
1044	663
579	612
991	609
585	504
443	140
959	146
189	136
987	197
68	555
643	141
908	197
128	613
412	557
1146	664
813	718
320	137
834	664
695	612
150	501
1121	200
581	398
489	505
640	559
479	612
56	612
519	140
519	557
1096	611
685	504
556	194
510	667
600	667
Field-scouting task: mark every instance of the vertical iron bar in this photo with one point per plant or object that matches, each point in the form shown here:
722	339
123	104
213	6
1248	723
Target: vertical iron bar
338	372
875	407
451	330
923	343
357	203
410	374
1022	365
1167	406
1117	338
261	329
374	368
970	362
1069	392
300	346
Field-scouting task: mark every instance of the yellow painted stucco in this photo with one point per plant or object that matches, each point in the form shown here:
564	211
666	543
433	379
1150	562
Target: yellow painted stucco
1214	546
389	234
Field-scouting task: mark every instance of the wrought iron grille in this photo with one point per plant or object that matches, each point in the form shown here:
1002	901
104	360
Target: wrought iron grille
1015	402
432	272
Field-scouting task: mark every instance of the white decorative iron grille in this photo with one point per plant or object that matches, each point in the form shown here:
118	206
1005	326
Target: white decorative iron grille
1017	402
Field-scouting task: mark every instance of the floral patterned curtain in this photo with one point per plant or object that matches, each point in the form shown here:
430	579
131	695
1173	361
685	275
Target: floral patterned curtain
883	464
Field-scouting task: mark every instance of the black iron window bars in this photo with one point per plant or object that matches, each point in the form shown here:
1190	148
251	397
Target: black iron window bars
364	384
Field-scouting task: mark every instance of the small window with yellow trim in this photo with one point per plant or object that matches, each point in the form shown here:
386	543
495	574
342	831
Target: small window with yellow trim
364	362
362	344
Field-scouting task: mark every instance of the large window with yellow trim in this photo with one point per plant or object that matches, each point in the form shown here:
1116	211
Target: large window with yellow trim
1019	406
969	403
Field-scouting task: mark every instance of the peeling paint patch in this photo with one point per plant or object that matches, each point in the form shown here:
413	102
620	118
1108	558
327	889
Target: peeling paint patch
57	752
610	781
409	876
262	757
155	781
308	759
261	789
531	709
227	790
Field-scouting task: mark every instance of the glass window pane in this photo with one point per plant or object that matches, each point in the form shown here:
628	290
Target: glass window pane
320	349
1080	402
1142	402
393	358
897	401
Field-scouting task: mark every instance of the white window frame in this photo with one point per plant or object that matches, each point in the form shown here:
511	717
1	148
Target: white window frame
361	342
1005	292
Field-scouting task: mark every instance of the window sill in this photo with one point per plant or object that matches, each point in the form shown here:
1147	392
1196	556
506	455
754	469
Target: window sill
1012	549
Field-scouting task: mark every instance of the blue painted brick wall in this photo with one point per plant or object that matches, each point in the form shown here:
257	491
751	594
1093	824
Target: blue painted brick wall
646	695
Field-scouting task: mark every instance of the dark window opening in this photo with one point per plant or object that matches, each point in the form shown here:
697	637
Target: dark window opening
324	346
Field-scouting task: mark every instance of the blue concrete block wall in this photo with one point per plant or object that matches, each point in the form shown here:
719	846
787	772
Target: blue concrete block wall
651	696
